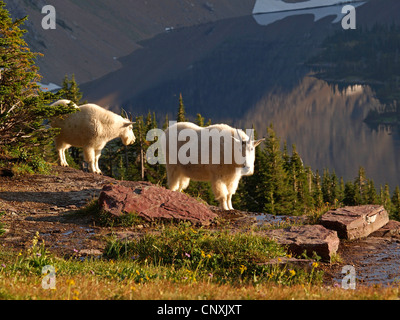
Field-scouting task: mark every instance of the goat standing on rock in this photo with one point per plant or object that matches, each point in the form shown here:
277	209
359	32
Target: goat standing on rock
211	159
90	128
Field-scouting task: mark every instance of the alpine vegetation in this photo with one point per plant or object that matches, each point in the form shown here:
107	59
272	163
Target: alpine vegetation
90	128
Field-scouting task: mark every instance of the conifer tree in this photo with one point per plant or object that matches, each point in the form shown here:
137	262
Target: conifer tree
23	106
384	198
371	197
275	193
350	196
298	178
317	191
340	195
199	120
181	110
396	204
361	187
166	122
70	90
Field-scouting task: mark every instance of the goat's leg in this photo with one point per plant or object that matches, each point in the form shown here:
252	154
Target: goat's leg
97	157
90	157
183	183
62	148
221	193
232	187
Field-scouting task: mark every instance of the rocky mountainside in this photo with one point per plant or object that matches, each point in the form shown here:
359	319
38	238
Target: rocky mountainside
92	34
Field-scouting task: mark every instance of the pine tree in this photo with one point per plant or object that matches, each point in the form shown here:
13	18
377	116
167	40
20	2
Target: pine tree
181	110
396	204
166	122
317	192
199	120
327	187
286	157
371	196
385	198
299	181
275	193
361	187
70	90
23	106
350	194
340	195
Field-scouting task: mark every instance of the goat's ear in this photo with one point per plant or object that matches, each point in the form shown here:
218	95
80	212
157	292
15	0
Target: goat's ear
257	142
127	124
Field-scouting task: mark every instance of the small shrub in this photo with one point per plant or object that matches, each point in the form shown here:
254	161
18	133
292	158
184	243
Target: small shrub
35	258
105	219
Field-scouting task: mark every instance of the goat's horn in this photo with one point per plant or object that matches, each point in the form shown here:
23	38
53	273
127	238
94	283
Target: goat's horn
240	137
251	138
125	114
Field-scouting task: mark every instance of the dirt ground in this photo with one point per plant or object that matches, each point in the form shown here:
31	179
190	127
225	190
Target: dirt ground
48	203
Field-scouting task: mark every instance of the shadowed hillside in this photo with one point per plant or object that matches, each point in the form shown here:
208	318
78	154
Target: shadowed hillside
91	34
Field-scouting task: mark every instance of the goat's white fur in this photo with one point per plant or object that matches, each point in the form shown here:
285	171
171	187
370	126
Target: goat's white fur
90	128
224	176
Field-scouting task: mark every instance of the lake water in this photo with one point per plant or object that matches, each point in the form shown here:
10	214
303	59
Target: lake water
256	70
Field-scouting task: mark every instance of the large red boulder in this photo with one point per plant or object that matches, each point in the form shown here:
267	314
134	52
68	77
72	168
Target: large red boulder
152	202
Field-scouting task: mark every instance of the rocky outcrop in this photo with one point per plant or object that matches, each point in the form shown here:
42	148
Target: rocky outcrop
389	230
355	222
152	202
308	238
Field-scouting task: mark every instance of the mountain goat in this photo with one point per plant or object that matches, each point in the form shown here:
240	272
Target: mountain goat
90	128
218	153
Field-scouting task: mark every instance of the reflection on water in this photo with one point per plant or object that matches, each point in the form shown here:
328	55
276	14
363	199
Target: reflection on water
328	129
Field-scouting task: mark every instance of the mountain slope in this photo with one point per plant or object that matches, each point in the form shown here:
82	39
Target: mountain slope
92	34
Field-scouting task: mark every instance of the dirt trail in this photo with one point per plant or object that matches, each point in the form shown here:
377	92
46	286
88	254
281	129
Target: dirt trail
46	204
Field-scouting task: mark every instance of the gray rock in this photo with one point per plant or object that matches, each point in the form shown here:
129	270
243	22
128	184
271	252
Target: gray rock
355	222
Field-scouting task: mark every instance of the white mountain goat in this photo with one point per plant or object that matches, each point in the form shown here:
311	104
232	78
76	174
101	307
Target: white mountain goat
90	128
218	153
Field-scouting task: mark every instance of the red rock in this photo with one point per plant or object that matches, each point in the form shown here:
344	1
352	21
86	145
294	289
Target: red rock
153	202
309	238
355	222
389	230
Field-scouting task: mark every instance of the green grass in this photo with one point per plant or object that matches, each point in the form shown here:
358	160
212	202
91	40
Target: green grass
2	230
201	253
177	262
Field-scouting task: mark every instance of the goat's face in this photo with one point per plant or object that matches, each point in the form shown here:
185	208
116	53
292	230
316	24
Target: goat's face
247	148
127	136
